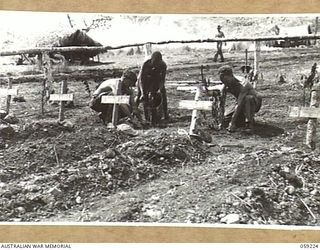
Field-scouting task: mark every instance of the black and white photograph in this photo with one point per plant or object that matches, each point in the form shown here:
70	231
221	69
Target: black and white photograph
159	118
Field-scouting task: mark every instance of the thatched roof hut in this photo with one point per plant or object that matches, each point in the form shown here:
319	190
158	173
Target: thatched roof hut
78	38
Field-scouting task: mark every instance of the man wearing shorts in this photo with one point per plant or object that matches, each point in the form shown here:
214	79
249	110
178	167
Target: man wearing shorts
248	100
108	87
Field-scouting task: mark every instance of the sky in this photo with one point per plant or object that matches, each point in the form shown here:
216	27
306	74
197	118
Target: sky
26	22
22	29
25	26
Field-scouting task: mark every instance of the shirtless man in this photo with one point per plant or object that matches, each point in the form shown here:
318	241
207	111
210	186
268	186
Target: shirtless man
219	45
108	87
248	100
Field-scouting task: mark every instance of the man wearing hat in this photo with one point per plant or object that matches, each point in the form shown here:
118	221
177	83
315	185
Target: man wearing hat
219	45
108	87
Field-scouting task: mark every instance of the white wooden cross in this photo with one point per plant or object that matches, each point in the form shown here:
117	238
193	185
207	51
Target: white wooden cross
8	92
258	77
116	100
63	97
197	104
312	112
147	51
304	112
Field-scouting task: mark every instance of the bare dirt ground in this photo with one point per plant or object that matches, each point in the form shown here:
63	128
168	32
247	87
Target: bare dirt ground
82	171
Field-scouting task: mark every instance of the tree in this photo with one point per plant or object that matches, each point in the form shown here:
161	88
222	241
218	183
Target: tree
91	23
137	19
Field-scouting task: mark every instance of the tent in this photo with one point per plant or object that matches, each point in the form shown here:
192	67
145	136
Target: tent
301	30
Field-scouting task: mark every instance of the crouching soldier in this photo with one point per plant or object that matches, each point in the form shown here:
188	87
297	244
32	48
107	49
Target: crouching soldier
248	100
109	87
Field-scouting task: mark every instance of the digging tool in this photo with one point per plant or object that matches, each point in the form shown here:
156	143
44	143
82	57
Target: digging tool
246	68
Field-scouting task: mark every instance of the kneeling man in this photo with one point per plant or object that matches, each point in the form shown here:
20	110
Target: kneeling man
109	87
248	100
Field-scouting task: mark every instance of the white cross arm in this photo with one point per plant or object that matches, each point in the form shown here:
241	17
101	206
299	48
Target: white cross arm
118	99
219	87
6	92
304	112
61	97
195	105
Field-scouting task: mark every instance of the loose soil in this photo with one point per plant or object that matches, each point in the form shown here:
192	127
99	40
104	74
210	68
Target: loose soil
83	171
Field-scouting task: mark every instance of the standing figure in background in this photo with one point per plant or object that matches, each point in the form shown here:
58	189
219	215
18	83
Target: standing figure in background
219	45
151	89
109	87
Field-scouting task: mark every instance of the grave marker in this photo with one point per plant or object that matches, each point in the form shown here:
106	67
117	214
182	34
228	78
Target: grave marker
45	65
63	97
8	92
116	100
197	104
257	55
313	113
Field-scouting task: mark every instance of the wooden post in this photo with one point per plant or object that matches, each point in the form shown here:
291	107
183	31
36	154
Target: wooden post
115	110
64	86
40	61
8	92
43	95
115	100
63	97
194	113
312	123
147	51
196	105
246	60
45	64
316	30
257	50
312	113
9	96
202	75
47	70
100	49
